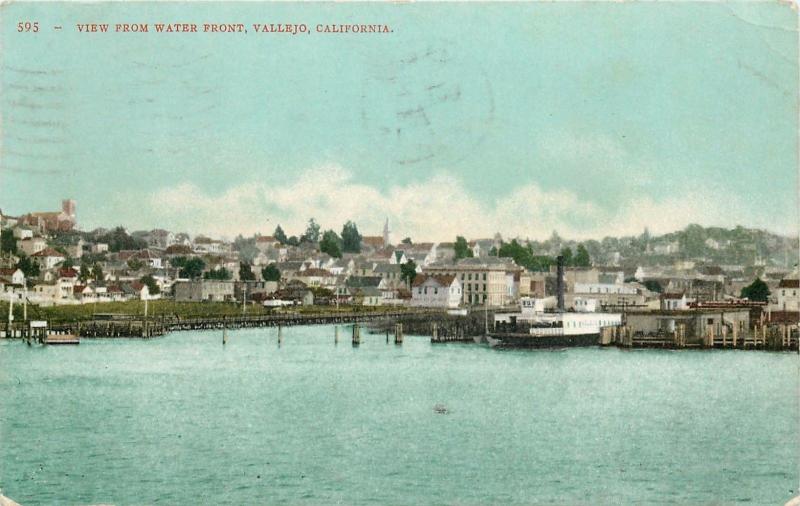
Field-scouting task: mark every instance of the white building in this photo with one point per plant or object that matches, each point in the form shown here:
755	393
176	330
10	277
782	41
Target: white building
211	246
674	302
204	290
443	291
666	248
786	296
48	258
32	245
23	233
13	275
483	280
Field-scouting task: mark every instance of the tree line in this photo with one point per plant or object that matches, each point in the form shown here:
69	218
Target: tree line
348	241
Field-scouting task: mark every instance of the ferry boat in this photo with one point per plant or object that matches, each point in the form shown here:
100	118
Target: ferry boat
537	326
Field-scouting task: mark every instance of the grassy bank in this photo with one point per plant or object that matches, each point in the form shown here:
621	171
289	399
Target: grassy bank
156	308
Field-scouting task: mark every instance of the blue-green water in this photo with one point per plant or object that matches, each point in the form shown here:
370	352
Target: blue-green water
182	420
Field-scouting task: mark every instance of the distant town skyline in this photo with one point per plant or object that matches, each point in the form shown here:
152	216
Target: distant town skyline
629	116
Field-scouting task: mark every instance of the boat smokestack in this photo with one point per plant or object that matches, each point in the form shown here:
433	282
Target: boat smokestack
560	282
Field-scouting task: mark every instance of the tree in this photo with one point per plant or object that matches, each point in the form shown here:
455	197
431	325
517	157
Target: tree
653	285
28	266
152	285
566	252
462	249
293	241
221	274
68	263
118	239
271	273
756	291
192	268
524	256
85	273
331	244
351	239
135	264
516	251
540	263
582	258
280	235
246	272
246	247
7	242
407	240
692	240
408	271
97	272
312	232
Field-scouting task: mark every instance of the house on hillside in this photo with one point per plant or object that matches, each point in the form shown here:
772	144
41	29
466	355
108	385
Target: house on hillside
13	275
32	245
48	258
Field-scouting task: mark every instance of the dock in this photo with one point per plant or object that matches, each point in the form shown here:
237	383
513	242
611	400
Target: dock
62	339
130	326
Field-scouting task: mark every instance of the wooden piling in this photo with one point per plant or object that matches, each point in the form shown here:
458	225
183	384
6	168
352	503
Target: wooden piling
398	333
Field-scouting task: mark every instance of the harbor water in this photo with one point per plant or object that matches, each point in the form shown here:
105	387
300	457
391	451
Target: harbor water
185	420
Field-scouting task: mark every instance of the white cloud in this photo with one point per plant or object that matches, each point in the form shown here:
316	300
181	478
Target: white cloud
595	152
438	208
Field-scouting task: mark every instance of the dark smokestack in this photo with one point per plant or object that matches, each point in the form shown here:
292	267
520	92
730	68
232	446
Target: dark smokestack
560	282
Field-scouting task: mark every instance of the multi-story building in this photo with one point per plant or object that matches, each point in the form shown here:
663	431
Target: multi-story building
483	280
203	290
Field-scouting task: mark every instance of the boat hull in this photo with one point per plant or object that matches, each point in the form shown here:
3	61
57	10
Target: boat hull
509	340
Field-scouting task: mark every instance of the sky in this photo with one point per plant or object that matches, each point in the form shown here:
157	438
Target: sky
589	118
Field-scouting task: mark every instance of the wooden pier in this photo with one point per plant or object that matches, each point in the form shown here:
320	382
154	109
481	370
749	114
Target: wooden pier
761	337
453	333
442	327
128	326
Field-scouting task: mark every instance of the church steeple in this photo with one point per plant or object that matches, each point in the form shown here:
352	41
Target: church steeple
386	233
